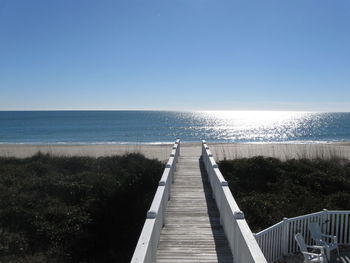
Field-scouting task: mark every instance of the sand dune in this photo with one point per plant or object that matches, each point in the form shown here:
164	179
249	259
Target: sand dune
280	150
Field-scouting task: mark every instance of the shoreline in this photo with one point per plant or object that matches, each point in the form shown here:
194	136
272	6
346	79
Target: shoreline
345	142
161	151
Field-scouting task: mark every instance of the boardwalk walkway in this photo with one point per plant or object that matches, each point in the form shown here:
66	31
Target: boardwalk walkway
192	230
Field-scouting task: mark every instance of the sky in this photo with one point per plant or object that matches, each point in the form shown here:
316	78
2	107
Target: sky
175	55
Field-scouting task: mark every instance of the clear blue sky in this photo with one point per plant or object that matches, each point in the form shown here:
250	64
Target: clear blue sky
175	54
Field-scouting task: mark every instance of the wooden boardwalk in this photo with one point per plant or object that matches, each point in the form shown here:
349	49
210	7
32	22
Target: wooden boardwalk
192	230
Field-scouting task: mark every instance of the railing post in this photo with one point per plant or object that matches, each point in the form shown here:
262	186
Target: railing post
203	151
178	145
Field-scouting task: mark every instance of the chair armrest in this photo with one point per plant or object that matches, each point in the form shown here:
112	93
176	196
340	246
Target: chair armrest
334	238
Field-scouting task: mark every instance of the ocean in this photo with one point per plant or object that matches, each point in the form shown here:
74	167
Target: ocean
138	127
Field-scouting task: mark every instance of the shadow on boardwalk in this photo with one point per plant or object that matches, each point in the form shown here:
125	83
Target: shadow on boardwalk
221	244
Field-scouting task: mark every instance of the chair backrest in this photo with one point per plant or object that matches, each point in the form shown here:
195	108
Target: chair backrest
315	232
301	242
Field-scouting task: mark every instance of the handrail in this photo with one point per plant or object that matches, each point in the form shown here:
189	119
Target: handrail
243	245
146	248
278	240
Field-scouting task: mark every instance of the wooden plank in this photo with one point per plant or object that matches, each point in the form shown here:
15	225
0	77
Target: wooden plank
192	230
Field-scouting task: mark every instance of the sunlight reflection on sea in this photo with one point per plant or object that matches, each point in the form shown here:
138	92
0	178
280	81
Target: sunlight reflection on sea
264	126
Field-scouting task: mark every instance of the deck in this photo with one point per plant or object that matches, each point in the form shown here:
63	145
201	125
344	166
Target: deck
343	258
192	230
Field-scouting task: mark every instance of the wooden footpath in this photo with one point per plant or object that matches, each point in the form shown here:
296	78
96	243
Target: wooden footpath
192	230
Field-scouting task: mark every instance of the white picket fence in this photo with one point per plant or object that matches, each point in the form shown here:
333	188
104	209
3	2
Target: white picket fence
278	240
146	248
242	243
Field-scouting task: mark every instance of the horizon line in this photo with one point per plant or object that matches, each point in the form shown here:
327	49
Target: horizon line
171	110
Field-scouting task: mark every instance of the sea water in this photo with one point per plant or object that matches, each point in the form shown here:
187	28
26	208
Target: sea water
99	127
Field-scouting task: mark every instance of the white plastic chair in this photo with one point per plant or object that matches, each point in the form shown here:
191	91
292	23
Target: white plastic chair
329	242
310	256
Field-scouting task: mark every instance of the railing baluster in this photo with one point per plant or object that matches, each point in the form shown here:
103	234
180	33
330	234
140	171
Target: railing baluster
346	235
328	219
280	247
267	246
307	237
333	224
292	233
289	250
298	231
304	229
345	239
272	241
341	228
348	227
264	244
336	231
272	244
278	240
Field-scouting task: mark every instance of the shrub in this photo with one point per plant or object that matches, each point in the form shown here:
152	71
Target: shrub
74	209
268	189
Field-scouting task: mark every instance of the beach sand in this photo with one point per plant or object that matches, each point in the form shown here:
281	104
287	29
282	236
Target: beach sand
161	151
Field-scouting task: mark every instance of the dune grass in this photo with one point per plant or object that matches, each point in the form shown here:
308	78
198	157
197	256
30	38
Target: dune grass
74	209
281	151
268	189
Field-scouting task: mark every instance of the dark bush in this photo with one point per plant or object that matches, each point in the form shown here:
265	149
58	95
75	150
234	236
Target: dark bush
74	209
268	189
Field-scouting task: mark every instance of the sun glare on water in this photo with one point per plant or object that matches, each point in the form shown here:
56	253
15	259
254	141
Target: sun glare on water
255	125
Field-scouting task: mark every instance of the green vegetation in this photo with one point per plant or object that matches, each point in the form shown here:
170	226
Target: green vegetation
74	209
268	189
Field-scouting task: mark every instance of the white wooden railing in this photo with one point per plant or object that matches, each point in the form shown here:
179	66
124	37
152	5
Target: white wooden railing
278	240
147	244
242	243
